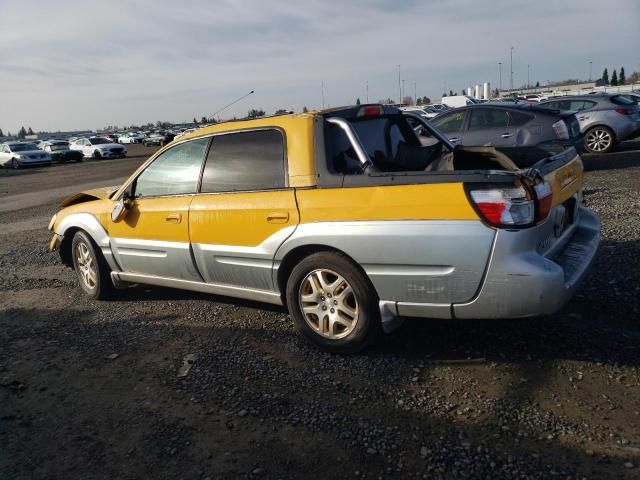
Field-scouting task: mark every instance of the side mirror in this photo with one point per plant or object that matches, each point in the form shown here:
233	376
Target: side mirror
121	208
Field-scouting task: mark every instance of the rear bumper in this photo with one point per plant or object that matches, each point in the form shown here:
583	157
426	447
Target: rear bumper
520	282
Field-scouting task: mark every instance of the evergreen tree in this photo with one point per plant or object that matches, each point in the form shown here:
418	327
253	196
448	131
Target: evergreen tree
419	101
204	120
426	100
1	134
605	77
622	79
537	84
22	133
30	132
614	78
305	110
195	120
444	94
451	94
358	101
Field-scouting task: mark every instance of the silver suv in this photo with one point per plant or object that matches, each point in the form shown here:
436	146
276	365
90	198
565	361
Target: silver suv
605	119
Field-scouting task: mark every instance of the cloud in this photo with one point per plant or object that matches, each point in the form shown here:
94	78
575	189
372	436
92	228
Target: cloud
123	62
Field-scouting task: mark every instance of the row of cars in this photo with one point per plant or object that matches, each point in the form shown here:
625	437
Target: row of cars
594	123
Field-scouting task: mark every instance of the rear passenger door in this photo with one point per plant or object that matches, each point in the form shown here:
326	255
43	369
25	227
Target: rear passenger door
490	126
452	125
244	210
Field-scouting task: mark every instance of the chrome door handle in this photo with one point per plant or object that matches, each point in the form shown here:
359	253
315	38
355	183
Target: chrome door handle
278	217
506	135
173	218
454	140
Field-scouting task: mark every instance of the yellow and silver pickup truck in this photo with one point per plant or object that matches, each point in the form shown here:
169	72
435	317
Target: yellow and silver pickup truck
346	216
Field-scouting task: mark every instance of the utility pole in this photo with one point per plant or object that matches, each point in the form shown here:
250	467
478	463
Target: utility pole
511	82
528	83
402	95
399	85
367	85
322	89
415	93
500	78
590	62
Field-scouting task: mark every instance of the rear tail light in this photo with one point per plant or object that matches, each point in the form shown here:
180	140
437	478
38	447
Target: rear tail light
625	111
370	111
544	199
504	206
562	132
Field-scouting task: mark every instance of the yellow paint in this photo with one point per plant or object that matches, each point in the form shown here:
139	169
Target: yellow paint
101	209
437	201
154	219
566	181
243	218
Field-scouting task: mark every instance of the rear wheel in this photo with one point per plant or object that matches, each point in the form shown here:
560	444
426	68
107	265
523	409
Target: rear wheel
15	163
333	303
97	155
90	266
599	140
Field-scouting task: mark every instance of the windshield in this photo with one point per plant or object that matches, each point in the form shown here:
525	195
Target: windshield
98	141
22	147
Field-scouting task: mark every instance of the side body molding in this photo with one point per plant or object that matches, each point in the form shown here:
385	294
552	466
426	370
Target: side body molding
94	228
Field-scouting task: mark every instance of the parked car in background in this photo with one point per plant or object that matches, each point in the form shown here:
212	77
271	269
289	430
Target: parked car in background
131	137
605	119
159	139
22	154
61	152
98	147
534	97
525	131
265	209
423	111
455	101
184	132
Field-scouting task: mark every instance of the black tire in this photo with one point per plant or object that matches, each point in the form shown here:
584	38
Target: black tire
599	139
97	155
101	288
367	325
15	164
79	160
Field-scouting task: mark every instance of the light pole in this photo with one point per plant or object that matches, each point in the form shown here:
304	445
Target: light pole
415	93
511	82
528	83
500	79
399	85
402	92
590	62
367	85
322	89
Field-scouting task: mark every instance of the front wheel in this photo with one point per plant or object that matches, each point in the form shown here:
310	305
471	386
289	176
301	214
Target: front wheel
333	303
97	155
599	140
15	163
91	268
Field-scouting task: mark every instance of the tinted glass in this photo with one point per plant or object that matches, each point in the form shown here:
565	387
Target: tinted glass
449	123
518	119
621	100
245	161
488	118
174	172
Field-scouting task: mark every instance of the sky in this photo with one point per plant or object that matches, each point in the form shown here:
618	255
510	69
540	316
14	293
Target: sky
87	64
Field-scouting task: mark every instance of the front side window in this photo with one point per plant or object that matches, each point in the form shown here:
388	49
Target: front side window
449	123
173	172
245	161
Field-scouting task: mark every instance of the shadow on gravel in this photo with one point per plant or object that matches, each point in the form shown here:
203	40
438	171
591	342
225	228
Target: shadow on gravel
626	155
71	409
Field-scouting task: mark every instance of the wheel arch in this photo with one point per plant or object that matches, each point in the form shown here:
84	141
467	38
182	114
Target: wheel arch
90	225
600	124
295	255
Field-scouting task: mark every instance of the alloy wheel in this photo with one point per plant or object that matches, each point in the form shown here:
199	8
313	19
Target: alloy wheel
598	140
328	304
86	265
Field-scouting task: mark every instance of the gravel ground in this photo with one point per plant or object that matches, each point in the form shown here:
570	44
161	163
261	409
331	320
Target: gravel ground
167	384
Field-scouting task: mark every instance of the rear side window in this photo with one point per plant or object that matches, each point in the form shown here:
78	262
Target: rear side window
245	161
482	118
174	172
449	123
621	100
517	119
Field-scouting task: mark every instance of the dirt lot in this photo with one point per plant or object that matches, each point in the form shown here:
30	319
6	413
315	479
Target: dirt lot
90	390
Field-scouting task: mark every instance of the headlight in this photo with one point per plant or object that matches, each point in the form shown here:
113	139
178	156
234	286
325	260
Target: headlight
53	221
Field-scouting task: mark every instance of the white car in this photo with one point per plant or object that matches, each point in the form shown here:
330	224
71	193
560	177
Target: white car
424	111
184	132
98	147
534	98
131	137
21	154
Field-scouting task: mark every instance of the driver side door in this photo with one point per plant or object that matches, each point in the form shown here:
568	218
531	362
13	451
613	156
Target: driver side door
153	237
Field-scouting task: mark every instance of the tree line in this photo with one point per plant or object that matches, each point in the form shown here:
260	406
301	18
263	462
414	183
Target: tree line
616	78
